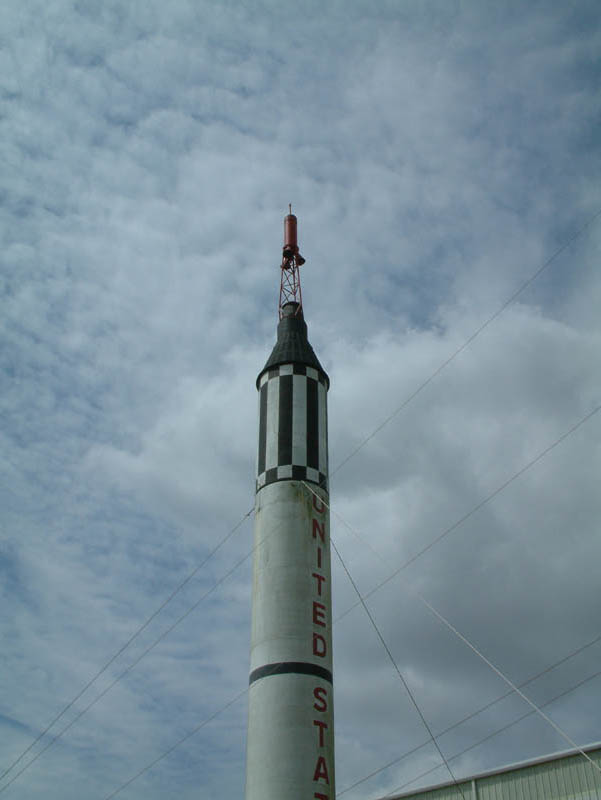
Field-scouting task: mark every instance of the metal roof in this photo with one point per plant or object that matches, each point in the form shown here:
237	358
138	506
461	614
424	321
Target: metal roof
559	776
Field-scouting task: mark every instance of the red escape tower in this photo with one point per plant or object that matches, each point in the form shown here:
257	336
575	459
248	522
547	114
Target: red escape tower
290	288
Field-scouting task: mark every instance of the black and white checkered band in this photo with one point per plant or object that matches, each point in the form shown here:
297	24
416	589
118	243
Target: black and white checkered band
293	426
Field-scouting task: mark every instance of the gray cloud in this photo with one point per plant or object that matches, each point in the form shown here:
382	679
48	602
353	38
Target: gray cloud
436	156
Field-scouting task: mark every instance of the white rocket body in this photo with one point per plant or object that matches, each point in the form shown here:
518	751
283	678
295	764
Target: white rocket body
290	744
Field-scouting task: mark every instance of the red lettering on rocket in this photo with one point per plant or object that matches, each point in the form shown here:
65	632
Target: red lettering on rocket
319	617
321	771
320	693
320	647
321	530
320	579
319	509
323	726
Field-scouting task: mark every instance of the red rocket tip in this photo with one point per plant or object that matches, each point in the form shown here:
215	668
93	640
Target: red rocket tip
290	236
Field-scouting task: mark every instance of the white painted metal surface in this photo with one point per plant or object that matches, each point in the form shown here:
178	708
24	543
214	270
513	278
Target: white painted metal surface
290	744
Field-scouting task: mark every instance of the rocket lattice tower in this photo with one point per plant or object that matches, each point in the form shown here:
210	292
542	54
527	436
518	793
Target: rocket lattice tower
290	743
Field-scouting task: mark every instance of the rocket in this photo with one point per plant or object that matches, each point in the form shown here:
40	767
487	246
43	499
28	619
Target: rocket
290	741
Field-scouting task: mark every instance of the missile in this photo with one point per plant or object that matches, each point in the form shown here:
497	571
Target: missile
290	741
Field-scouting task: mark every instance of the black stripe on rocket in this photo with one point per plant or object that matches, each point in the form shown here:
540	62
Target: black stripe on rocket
312	425
292	426
285	420
290	668
262	427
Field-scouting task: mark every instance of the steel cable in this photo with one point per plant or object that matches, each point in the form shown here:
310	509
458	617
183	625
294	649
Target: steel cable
476	712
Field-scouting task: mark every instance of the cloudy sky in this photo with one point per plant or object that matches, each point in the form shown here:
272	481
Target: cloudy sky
437	155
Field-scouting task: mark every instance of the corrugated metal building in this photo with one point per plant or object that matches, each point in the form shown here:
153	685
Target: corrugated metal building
561	776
